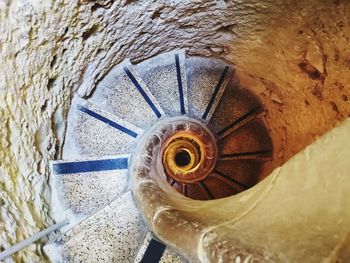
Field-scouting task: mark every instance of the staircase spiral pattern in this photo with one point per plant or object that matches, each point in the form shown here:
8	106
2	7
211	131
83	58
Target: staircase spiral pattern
208	134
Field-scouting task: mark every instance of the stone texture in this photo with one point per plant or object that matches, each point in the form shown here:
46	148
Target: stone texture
252	137
113	234
207	81
84	193
86	135
161	76
237	106
118	94
307	200
48	49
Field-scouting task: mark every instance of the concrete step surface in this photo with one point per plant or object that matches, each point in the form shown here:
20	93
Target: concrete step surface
165	75
93	132
123	93
113	234
82	187
206	82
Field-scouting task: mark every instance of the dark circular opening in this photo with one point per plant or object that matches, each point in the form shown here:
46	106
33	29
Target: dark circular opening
182	158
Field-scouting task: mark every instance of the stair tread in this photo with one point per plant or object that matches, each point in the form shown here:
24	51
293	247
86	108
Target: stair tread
246	172
206	82
88	128
123	93
82	187
165	75
249	140
237	107
113	234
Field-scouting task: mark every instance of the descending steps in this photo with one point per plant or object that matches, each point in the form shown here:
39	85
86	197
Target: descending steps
165	75
112	234
92	132
82	187
91	185
123	93
207	80
236	108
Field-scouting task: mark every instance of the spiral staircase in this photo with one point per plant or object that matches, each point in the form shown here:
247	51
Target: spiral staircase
218	145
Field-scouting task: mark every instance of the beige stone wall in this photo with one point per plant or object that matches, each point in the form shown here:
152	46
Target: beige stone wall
294	54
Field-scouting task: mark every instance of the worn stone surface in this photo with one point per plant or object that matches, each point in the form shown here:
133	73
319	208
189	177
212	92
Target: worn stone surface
112	234
86	135
293	54
206	78
161	76
84	193
117	94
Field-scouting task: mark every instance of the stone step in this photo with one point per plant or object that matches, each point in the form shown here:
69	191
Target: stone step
82	187
206	82
249	141
237	107
122	92
165	75
113	234
93	132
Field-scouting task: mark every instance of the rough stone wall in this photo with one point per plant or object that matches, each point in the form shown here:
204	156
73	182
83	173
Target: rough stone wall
298	63
293	54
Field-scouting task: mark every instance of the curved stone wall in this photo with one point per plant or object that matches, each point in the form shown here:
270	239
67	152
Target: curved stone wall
293	55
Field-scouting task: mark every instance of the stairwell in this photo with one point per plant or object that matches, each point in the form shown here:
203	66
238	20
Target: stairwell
290	64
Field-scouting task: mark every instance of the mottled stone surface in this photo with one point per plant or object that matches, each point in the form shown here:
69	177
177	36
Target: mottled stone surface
162	75
89	136
118	94
252	137
238	106
84	193
113	234
293	54
207	80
